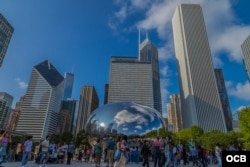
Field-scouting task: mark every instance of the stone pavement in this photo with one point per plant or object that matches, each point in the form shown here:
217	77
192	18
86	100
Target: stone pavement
75	164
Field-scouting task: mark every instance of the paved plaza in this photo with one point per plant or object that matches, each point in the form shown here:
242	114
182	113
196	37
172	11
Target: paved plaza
75	164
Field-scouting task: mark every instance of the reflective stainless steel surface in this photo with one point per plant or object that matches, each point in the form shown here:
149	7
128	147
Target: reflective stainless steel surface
124	118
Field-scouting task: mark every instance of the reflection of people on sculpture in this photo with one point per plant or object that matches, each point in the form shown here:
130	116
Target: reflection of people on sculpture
121	155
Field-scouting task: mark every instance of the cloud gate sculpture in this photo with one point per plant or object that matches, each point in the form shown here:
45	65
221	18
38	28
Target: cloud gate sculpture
124	118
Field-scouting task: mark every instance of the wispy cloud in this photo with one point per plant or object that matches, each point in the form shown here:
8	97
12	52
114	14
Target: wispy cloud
21	83
239	90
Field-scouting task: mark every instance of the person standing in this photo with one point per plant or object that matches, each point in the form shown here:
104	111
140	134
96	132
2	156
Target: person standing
121	147
4	140
45	152
218	154
70	152
98	153
110	151
27	150
157	151
145	153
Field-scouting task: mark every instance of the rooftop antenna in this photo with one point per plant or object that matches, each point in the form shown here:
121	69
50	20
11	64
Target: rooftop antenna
139	42
147	35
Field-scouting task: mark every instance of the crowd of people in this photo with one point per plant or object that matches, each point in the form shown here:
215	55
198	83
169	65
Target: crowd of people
117	152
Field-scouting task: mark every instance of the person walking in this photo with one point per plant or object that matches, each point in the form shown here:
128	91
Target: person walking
45	152
27	150
5	138
70	152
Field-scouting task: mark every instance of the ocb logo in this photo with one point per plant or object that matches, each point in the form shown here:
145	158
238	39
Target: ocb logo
236	158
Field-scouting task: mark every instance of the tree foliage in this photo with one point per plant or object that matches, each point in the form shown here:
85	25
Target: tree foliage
244	118
65	137
81	139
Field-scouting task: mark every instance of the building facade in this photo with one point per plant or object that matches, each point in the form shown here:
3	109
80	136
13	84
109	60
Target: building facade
41	105
5	108
89	101
136	79
6	31
246	53
174	113
200	100
130	80
71	106
68	85
224	98
14	116
149	54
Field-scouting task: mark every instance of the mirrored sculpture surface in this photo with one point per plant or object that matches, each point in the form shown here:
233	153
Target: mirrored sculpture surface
124	118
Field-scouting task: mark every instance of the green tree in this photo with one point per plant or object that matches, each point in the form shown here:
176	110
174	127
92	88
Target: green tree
193	133
211	138
67	137
81	139
244	118
56	138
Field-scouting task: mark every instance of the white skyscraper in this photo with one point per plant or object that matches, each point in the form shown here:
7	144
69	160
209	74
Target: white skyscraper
246	52
200	101
41	105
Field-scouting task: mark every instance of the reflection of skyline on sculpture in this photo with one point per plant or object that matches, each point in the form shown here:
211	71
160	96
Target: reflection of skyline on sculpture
126	118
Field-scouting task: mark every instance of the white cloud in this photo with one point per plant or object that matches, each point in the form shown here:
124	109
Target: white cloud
241	91
124	117
21	83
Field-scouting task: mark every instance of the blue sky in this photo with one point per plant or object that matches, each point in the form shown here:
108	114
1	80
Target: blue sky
82	36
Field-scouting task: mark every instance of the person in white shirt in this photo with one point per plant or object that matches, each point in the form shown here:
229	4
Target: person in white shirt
27	150
218	154
45	152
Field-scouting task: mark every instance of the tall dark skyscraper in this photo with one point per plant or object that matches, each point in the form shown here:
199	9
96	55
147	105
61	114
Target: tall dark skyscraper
68	85
149	54
200	100
41	105
6	31
224	98
71	106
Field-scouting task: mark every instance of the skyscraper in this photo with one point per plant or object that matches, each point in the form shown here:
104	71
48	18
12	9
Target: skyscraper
71	106
136	79
41	105
130	80
149	54
200	100
5	108
14	116
174	113
89	101
224	98
6	31
246	52
68	85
